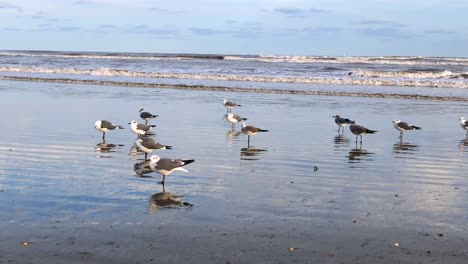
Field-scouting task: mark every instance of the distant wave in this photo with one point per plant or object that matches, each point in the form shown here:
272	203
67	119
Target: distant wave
414	75
445	79
237	89
396	60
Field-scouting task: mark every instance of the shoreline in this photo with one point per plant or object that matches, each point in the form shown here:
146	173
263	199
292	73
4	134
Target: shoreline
235	89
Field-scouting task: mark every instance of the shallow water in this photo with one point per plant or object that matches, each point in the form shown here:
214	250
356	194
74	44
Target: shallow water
54	169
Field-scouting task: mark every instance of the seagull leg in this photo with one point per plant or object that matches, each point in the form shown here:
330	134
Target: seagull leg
146	156
401	134
248	141
146	122
361	139
163	180
356	138
103	137
164	188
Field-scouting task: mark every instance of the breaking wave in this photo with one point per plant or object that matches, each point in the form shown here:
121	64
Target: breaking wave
415	79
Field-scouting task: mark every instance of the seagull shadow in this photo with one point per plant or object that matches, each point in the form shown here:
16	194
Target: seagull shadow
107	147
357	155
341	141
463	145
166	200
142	168
231	134
251	153
401	147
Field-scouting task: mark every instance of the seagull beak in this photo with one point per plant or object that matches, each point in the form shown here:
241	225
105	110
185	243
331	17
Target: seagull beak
129	123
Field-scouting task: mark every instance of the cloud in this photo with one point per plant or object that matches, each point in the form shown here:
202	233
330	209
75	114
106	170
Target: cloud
323	29
373	22
206	31
83	2
9	6
298	11
69	28
385	32
165	11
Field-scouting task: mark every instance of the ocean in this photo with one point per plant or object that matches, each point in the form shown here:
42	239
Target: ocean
403	77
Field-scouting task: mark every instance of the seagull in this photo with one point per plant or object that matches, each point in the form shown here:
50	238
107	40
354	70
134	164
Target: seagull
359	130
146	116
140	129
403	126
230	105
167	166
104	126
234	119
341	122
251	131
148	145
464	124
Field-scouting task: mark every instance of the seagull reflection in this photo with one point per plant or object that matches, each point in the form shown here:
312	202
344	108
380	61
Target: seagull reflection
166	200
463	145
232	134
401	147
142	168
107	147
341	141
250	153
357	154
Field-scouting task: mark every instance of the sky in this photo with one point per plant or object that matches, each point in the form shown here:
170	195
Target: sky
264	27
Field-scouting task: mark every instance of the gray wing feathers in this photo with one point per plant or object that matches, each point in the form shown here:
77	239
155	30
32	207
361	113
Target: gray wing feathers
107	124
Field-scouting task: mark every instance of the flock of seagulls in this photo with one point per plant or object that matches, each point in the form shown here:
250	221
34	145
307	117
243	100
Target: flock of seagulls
399	125
166	166
234	119
146	144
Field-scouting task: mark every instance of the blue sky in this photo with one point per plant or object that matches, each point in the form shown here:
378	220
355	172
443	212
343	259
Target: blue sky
280	27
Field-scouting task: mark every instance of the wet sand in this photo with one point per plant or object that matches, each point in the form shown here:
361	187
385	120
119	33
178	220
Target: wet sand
71	199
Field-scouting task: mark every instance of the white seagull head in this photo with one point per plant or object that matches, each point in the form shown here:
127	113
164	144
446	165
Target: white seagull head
154	159
224	101
244	124
97	125
462	118
396	121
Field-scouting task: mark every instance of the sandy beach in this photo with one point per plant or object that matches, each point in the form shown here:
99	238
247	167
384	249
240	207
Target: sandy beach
67	198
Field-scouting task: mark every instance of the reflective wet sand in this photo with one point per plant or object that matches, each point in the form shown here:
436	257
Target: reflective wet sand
299	193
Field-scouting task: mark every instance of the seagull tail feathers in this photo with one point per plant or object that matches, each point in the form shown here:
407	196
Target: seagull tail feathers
263	130
120	127
151	125
244	119
188	161
168	147
371	131
417	128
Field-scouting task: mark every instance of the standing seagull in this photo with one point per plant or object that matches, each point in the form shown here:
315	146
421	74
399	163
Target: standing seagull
250	131
140	129
359	130
230	105
403	126
146	116
341	122
167	166
149	144
464	124
234	119
104	126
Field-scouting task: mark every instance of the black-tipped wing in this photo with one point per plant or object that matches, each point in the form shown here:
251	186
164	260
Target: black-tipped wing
231	104
145	115
359	130
342	121
170	164
108	125
144	127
